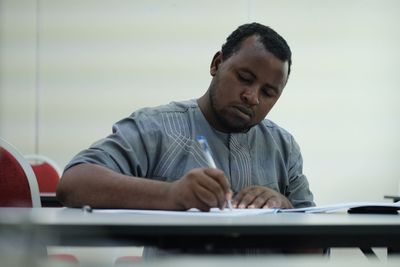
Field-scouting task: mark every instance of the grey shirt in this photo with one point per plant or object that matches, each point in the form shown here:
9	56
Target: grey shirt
160	143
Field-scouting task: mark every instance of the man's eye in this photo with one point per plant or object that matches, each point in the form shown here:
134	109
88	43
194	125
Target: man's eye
269	92
244	79
266	93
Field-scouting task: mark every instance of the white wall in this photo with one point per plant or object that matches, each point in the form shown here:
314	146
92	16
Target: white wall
82	65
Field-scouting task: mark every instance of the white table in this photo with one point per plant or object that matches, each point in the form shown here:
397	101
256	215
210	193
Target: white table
73	227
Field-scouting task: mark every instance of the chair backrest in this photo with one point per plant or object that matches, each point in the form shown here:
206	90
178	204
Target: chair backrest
19	188
18	185
47	172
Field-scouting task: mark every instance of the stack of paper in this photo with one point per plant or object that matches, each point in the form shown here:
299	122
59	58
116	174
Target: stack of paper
357	207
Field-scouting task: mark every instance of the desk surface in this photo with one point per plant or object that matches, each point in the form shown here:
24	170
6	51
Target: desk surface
64	226
262	261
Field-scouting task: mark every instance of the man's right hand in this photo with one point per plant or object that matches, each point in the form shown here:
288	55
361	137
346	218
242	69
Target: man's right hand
201	188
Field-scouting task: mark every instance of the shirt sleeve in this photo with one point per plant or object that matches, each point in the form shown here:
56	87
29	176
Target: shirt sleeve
126	150
298	191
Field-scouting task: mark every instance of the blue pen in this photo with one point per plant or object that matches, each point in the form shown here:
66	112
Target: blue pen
207	153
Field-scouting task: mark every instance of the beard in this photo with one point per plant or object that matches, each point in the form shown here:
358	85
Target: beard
228	123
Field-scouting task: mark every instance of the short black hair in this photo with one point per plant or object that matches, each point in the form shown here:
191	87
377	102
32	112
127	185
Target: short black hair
271	40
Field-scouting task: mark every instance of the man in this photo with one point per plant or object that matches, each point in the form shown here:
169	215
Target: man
152	159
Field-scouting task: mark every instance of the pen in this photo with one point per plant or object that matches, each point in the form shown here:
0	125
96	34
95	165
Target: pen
207	153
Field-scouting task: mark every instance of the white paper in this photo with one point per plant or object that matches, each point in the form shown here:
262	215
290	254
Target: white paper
215	212
341	206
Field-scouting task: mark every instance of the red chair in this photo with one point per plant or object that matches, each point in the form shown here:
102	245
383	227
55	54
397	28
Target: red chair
18	185
47	172
69	258
124	260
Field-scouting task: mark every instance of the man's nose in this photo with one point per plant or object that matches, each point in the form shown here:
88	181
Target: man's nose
250	96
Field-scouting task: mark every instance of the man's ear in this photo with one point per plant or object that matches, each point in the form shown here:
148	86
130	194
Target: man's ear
217	59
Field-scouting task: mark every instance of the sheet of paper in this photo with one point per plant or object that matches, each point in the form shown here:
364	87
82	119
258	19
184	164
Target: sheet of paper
214	212
341	206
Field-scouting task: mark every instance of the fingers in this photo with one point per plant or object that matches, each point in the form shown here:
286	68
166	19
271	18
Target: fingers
246	197
220	178
205	188
207	197
202	188
260	197
218	184
278	202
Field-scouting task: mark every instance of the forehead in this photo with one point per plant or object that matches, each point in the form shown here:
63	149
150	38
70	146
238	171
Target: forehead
253	57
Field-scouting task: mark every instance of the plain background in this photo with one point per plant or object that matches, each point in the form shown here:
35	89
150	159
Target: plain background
70	69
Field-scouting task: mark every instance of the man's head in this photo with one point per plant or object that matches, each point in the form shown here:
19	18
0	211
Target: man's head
249	75
269	38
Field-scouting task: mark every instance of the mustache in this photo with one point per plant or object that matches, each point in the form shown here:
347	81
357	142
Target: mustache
245	109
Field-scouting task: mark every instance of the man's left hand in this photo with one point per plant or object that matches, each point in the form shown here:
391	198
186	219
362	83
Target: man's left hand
257	197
